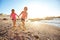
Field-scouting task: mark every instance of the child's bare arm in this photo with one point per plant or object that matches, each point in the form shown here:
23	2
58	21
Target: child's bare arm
21	13
26	15
10	17
17	15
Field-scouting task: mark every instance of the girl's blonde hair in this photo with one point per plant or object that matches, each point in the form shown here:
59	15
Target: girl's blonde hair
25	8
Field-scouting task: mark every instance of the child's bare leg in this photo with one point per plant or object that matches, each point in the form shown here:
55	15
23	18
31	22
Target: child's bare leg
14	23
23	22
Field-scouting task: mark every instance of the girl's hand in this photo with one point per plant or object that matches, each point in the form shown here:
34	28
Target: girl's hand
10	18
18	16
26	20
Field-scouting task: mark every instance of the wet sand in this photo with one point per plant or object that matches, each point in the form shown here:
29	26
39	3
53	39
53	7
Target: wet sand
35	31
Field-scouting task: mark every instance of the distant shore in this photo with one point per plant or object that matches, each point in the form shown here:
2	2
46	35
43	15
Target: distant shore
32	19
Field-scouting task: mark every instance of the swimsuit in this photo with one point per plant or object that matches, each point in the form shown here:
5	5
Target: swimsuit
13	16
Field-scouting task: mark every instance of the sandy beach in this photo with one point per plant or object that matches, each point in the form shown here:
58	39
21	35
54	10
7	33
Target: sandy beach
34	31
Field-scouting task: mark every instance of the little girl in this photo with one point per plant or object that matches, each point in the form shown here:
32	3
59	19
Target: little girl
13	17
24	16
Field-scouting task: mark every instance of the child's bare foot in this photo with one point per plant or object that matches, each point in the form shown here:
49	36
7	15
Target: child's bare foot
26	31
13	27
23	28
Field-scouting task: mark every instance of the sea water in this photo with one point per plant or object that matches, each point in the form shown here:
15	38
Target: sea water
55	22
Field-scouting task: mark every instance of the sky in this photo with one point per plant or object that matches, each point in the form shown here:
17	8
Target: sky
36	8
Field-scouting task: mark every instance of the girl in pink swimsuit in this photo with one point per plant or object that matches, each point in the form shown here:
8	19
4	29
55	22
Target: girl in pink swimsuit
13	17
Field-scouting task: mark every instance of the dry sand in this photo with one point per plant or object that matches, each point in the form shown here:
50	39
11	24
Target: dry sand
35	31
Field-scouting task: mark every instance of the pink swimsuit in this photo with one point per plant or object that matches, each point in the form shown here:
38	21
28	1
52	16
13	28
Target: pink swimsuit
13	16
24	15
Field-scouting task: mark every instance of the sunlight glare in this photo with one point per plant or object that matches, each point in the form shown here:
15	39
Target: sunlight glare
37	11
